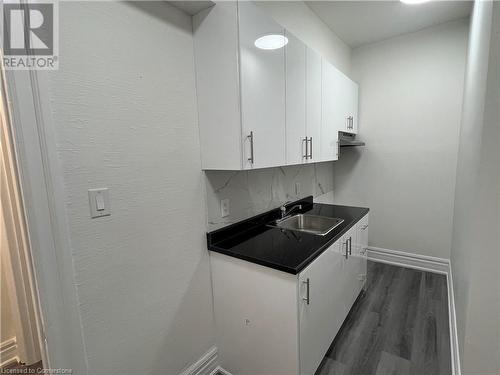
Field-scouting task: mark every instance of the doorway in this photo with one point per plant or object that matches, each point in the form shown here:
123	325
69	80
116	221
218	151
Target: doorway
20	325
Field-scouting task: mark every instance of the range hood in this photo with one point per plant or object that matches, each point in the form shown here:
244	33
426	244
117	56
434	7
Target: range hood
349	140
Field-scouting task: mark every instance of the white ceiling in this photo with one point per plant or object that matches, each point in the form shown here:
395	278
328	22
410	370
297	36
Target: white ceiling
192	7
361	22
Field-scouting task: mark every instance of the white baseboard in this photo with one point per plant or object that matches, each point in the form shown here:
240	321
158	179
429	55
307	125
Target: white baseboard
429	264
8	352
220	370
455	352
205	365
401	258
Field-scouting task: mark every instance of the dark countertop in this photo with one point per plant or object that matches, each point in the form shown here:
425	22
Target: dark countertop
284	250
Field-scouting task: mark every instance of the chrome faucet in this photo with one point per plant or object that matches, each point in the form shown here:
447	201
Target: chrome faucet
286	212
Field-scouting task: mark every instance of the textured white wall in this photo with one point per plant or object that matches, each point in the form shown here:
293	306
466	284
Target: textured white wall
410	103
475	254
307	26
124	110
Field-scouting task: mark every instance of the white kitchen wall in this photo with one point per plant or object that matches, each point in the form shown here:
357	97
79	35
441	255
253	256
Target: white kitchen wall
256	191
298	18
124	111
475	255
410	105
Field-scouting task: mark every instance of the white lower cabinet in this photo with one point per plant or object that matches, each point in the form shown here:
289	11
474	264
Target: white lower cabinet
273	322
362	247
320	313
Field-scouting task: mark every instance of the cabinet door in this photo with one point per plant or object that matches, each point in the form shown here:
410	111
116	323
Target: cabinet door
295	60
313	103
320	311
331	113
215	36
362	248
350	105
262	86
349	270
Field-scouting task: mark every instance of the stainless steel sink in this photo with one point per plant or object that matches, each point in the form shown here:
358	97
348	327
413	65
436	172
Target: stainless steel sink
319	225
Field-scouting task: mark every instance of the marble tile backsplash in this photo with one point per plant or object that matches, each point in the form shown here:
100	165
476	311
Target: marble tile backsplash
255	191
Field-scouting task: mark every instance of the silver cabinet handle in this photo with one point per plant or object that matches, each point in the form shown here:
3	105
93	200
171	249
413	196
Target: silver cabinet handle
307	148
307	297
350	245
346	255
348	120
251	158
311	148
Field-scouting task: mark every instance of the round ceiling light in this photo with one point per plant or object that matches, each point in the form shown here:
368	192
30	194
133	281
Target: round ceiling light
271	41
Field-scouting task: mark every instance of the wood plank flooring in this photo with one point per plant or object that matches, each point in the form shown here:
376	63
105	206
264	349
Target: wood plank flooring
399	326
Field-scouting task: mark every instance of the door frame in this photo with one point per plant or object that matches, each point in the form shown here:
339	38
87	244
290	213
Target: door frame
16	256
41	188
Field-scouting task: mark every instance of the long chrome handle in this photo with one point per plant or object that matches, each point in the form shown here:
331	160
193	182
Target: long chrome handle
307	297
350	245
251	158
348	120
346	255
307	144
311	148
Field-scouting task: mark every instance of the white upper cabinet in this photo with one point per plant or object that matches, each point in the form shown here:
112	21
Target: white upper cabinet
313	103
297	142
240	88
331	111
262	90
264	107
349	105
217	86
303	102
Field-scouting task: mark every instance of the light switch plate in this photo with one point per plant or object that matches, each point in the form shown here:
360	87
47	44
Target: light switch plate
99	202
224	207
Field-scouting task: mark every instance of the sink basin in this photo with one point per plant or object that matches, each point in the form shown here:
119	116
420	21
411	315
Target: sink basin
319	225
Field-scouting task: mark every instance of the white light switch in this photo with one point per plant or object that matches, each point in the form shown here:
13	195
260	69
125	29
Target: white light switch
99	202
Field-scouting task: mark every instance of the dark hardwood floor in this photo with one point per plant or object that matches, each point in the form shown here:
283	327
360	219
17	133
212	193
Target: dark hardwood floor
399	326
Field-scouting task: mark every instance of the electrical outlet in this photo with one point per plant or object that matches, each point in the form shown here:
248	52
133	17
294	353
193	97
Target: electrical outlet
224	207
297	188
